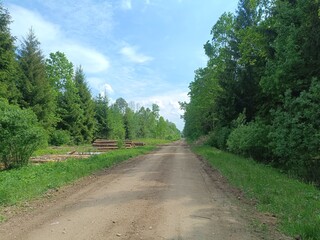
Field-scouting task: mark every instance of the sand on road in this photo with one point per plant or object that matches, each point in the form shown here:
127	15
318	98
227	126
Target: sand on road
166	194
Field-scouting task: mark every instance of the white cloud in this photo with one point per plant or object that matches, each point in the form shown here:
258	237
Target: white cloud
52	39
101	85
107	88
91	60
126	4
133	56
24	19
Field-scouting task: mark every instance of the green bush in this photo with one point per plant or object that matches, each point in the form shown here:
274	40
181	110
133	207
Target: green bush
60	137
295	133
218	137
250	140
20	135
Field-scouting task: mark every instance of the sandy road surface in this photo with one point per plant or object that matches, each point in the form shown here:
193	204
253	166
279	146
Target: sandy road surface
163	195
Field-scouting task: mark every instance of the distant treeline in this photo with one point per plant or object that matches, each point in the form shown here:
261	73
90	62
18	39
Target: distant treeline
259	94
54	97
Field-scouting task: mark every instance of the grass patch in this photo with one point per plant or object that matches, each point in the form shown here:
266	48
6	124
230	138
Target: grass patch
63	150
296	204
25	183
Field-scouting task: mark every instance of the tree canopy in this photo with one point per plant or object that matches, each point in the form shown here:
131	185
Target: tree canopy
257	95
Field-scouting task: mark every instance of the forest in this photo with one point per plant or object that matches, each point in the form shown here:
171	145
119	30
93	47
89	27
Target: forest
259	93
48	101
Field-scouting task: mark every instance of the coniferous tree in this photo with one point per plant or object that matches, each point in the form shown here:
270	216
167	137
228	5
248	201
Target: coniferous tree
87	105
69	112
101	116
8	64
35	88
130	123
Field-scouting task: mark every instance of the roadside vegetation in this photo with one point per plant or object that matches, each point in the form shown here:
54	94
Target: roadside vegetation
258	95
295	204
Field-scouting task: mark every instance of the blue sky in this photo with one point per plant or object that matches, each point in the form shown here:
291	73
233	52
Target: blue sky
145	51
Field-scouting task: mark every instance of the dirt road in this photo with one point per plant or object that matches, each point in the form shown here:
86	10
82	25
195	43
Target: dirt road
163	195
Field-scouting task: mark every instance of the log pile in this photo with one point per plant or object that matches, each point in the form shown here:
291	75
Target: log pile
104	145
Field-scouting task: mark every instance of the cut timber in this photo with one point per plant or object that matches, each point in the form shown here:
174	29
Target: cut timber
107	145
104	145
139	143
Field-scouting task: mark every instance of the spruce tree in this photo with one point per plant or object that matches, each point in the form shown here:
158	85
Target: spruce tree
35	88
8	64
86	104
70	113
101	116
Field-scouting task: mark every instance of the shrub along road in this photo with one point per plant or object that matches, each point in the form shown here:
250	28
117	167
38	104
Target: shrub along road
167	194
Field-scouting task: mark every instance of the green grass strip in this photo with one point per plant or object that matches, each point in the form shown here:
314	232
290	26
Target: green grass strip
18	185
296	204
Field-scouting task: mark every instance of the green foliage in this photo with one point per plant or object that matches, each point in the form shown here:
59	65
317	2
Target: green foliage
23	184
161	128
218	137
295	133
8	65
295	204
20	135
61	98
59	70
250	140
130	123
101	116
116	124
71	112
87	105
35	88
263	64
73	98
60	137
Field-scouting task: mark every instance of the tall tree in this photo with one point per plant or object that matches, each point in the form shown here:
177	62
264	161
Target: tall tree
86	104
35	88
116	123
121	105
8	64
59	70
101	116
296	59
161	130
71	115
130	123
